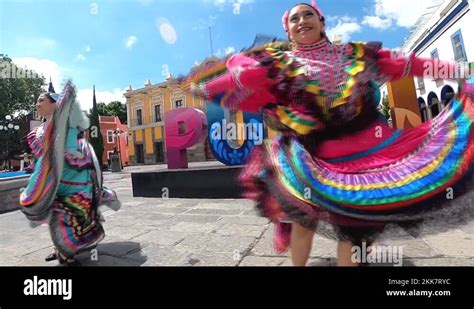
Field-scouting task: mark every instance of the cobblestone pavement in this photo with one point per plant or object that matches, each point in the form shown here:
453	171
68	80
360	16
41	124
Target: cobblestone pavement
202	232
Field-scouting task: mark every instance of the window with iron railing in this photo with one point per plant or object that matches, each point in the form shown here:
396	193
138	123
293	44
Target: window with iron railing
458	47
150	120
421	83
110	137
138	119
435	55
178	103
158	117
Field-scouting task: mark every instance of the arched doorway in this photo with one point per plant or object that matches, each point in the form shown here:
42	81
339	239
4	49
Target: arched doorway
447	94
433	104
424	112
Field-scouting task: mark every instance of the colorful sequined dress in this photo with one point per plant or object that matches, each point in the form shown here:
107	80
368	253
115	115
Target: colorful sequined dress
337	167
65	189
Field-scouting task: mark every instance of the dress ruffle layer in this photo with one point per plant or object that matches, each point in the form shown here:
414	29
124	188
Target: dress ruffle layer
417	177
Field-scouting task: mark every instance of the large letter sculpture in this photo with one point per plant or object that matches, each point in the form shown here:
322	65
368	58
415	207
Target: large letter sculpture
404	103
223	133
184	127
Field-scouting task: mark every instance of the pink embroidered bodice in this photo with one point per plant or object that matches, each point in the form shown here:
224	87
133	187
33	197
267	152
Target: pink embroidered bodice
320	85
327	63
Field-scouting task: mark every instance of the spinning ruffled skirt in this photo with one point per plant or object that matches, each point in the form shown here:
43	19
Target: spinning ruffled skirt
65	189
360	182
337	167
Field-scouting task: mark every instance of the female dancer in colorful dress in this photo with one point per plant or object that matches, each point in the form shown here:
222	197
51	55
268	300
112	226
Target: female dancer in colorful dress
337	163
65	189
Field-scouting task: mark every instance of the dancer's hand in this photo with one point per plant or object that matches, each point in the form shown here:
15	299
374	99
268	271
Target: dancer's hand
195	90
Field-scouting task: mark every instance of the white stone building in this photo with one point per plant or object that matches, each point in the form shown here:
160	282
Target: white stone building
444	31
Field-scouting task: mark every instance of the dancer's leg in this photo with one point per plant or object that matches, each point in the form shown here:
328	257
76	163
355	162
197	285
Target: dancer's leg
344	253
300	244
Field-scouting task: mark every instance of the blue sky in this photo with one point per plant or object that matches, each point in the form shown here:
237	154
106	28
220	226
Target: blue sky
114	43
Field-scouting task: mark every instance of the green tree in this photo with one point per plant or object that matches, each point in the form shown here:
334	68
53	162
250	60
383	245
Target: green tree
114	108
117	108
95	137
102	109
385	109
19	89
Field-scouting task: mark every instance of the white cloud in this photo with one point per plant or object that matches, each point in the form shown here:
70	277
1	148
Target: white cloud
344	27
348	19
331	19
219	3
58	74
222	3
88	49
80	57
131	40
218	53
84	96
229	50
377	22
44	67
167	31
222	53
404	13
241	1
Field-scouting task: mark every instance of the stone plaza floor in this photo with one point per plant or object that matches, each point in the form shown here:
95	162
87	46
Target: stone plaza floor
202	232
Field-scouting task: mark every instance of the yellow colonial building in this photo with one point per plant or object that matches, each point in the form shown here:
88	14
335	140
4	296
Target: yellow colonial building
145	114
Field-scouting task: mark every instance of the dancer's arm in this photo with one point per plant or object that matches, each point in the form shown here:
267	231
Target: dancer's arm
243	72
397	65
76	156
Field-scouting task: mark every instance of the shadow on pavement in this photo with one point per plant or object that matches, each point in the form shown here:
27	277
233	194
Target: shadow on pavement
125	253
320	262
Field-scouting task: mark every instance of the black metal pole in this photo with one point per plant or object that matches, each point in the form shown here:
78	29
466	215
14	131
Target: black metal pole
120	151
8	152
210	39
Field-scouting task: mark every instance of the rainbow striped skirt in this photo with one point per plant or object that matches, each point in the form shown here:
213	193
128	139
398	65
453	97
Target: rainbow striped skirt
419	178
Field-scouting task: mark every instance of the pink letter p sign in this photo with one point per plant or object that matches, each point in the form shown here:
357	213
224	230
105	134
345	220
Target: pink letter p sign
184	127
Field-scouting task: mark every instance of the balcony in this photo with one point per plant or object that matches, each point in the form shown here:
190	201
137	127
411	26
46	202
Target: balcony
146	121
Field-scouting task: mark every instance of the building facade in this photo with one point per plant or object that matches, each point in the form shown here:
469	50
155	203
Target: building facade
442	32
115	137
146	128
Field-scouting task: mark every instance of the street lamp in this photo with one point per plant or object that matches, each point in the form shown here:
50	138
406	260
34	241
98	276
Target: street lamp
117	133
8	127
